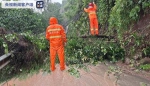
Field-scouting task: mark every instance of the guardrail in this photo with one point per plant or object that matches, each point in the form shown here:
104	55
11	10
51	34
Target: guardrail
3	61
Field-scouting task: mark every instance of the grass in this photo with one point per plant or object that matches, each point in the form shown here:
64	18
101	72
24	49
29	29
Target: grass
145	67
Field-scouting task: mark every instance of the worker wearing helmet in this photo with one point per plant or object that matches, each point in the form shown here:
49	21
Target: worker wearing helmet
93	18
56	35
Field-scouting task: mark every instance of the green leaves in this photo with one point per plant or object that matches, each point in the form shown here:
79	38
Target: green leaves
145	67
5	47
134	12
52	10
74	72
83	51
103	11
145	4
20	20
146	51
38	40
11	38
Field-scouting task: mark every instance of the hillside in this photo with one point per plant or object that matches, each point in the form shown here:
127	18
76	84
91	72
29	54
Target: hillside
127	22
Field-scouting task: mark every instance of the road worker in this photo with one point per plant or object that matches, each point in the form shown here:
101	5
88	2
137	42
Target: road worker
93	18
56	35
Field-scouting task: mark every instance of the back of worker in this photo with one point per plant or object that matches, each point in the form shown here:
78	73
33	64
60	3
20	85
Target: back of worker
91	10
56	35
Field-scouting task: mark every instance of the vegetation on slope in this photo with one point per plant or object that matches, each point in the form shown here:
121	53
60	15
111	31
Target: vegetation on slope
116	18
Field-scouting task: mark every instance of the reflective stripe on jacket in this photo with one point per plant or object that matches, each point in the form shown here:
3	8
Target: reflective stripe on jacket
55	33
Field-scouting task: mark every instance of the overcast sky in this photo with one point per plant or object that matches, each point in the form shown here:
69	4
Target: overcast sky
60	1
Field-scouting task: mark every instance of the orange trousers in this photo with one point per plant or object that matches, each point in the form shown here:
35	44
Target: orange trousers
94	26
53	52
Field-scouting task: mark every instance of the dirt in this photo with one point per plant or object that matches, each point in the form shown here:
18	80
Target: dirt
142	28
95	76
133	71
139	33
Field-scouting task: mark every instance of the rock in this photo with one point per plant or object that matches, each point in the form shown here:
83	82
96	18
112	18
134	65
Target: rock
133	68
137	56
145	61
127	61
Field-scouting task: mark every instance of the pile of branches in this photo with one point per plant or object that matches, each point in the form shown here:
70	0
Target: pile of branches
25	52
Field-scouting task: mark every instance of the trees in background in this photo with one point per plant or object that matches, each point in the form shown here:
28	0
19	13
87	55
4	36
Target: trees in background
116	17
52	10
21	20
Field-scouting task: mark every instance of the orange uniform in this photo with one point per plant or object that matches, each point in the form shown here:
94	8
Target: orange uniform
93	18
56	35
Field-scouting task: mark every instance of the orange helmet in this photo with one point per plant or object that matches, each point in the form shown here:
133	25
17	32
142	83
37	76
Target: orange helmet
91	4
53	20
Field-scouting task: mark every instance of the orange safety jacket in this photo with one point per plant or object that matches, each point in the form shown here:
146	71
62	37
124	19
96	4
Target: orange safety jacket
55	33
91	11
